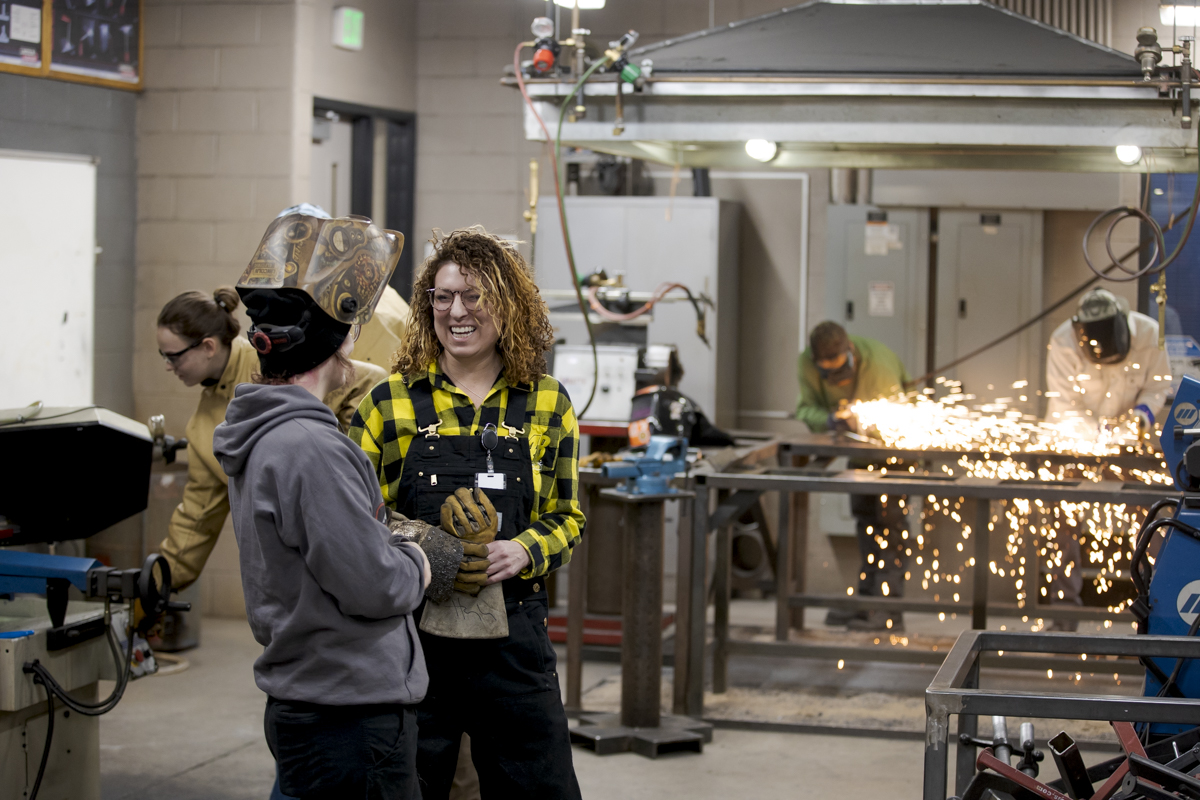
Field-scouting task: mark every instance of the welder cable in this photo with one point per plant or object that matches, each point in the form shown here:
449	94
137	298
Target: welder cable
562	212
1045	312
80	706
37	784
1122	213
659	293
1170	682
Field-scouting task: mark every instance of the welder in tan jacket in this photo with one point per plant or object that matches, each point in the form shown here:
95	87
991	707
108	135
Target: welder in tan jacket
198	338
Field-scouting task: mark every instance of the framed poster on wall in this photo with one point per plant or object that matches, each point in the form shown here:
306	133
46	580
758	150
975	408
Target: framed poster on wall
22	35
97	41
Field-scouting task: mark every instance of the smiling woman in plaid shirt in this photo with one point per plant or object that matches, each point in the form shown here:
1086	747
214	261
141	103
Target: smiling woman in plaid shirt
469	407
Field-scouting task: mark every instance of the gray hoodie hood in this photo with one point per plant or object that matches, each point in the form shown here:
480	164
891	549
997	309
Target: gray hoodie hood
254	412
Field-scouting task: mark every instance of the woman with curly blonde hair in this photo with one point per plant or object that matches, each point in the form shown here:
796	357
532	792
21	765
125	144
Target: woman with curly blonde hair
471	434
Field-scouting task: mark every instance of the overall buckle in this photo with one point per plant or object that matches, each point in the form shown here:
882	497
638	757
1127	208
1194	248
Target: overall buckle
513	433
430	431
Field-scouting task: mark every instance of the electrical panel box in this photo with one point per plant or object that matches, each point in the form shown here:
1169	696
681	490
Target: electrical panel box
877	282
989	276
650	241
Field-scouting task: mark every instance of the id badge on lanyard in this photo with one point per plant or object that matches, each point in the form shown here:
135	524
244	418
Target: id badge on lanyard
490	479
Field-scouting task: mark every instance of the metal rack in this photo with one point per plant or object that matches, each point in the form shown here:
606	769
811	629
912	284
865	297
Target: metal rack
955	690
743	489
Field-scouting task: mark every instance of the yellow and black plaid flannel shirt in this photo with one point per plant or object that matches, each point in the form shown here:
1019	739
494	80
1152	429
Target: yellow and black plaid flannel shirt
386	423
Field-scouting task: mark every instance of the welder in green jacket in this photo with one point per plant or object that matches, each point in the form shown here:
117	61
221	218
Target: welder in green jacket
836	370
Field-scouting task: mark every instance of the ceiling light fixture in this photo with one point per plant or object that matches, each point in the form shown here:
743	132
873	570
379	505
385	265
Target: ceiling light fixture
761	150
1129	154
1183	16
584	5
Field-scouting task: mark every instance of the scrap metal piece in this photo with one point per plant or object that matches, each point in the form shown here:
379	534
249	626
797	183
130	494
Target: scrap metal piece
988	760
1071	767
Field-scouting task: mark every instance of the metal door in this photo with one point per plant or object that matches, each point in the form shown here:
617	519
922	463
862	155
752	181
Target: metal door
989	277
877	282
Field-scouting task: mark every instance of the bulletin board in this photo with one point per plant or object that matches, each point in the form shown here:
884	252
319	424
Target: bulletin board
87	41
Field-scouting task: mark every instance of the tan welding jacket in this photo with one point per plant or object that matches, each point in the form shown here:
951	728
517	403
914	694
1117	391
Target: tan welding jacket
197	520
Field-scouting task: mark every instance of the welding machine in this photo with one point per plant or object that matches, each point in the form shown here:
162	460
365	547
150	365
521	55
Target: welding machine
1168	590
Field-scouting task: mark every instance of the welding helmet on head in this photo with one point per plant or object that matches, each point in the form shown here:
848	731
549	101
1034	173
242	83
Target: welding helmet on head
309	282
1102	327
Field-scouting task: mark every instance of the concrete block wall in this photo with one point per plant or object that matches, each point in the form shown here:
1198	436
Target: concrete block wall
215	143
214	130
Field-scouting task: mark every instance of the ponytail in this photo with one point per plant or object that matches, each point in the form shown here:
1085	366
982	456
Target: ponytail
196	316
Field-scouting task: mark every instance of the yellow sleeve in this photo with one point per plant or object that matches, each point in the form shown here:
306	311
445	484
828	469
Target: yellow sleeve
559	522
196	522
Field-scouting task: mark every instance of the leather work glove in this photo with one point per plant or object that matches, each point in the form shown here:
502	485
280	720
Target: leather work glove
470	517
443	552
472	570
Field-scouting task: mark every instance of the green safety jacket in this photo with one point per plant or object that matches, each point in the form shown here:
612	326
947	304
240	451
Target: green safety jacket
880	373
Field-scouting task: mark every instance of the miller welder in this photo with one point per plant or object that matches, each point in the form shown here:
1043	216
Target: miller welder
1168	584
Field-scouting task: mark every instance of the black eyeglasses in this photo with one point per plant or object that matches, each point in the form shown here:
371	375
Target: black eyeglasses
444	298
173	358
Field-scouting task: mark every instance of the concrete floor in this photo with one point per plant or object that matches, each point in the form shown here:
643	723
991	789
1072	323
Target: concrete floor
198	734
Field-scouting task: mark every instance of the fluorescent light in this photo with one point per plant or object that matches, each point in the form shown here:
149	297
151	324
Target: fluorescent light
761	150
1183	16
1129	154
585	5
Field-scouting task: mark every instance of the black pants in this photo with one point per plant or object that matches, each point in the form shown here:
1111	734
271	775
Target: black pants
344	751
879	564
504	694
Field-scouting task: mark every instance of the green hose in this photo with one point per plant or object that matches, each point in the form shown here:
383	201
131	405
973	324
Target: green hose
560	178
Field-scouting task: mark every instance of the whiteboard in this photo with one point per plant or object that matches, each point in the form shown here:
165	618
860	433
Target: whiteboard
47	278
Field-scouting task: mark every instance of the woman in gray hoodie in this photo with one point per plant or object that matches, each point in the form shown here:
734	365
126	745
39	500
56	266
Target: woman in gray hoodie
327	596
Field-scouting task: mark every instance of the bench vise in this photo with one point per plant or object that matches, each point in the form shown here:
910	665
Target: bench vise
650	472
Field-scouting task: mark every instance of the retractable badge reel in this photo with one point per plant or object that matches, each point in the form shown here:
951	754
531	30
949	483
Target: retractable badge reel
490	479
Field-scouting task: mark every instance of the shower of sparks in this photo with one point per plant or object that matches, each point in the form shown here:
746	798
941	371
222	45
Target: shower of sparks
1039	536
947	423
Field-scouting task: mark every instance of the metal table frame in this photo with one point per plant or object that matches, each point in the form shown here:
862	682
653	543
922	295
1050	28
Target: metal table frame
955	690
745	489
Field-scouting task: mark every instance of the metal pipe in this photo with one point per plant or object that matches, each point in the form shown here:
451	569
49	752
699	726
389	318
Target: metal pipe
882	79
1000	744
1070	766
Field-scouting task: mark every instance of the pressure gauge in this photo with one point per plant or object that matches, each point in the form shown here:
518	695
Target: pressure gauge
542	27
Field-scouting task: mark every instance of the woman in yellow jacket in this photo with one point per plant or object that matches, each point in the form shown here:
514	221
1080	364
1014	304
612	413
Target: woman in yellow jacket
198	338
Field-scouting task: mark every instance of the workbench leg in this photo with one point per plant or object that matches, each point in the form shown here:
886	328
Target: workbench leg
964	763
783	571
576	612
721	616
983	518
683	593
798	521
936	757
697	633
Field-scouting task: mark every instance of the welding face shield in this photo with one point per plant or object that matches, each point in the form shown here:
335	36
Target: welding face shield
311	280
1101	327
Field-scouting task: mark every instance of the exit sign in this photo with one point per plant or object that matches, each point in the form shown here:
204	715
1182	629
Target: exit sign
348	28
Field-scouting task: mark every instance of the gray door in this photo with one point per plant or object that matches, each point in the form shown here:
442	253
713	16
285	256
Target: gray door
876	284
990	281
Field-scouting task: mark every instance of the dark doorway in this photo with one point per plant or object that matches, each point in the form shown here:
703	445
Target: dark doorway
400	137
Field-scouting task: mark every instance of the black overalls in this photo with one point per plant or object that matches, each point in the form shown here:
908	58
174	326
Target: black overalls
503	693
